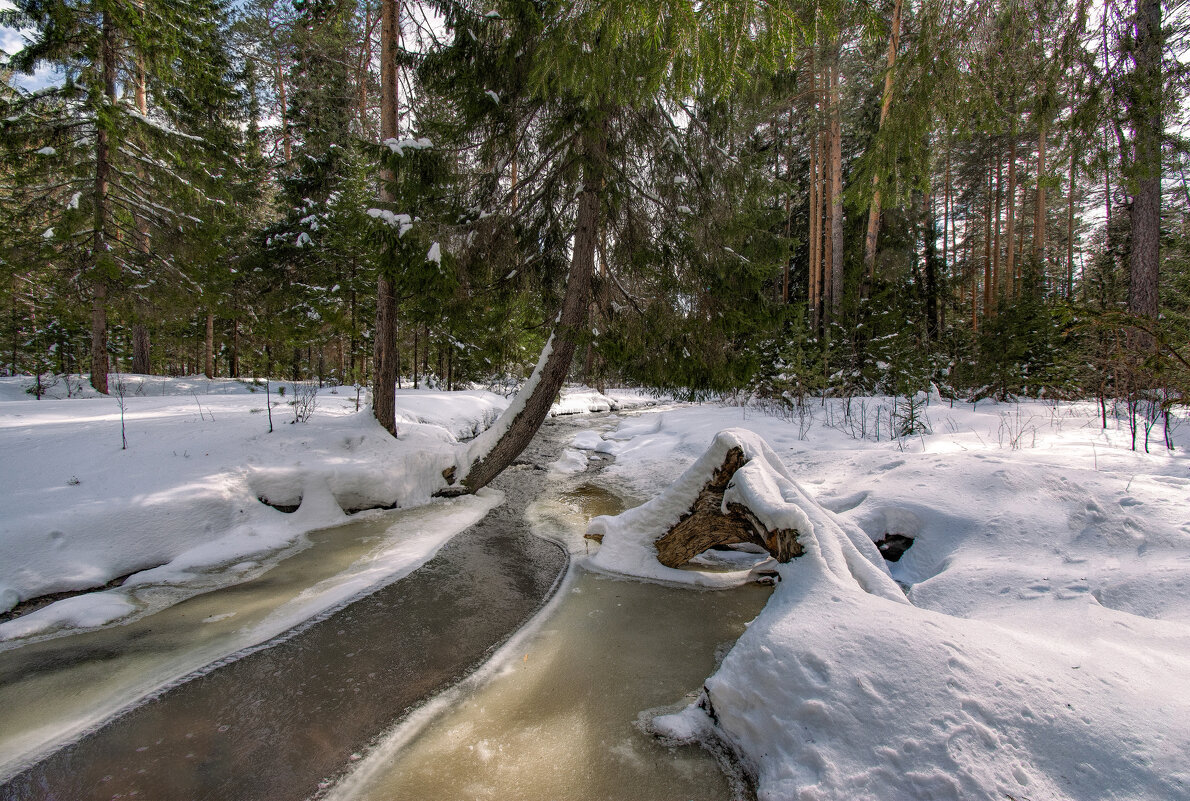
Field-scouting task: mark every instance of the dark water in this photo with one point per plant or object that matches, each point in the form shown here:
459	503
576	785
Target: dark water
276	723
53	689
558	721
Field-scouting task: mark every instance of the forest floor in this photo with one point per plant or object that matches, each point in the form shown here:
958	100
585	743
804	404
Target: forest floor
1032	642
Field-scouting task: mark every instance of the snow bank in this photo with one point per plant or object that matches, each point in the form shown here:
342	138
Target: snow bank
185	505
1044	654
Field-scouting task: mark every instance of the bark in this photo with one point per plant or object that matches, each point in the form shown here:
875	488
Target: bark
996	284
209	347
946	232
836	190
140	350
1039	210
566	332
974	274
815	265
706	525
1070	229
1010	259
874	211
1144	249
384	392
283	102
99	252
234	362
987	250
931	265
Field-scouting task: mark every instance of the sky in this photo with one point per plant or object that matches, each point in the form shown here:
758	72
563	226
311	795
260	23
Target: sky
11	40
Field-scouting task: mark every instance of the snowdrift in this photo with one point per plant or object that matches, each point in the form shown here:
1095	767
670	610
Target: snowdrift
842	689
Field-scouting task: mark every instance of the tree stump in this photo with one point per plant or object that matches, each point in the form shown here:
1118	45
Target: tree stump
706	525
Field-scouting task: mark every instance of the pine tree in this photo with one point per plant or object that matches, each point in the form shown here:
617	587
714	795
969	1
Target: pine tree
98	165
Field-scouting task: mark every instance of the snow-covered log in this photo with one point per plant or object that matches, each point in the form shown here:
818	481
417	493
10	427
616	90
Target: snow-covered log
713	521
760	502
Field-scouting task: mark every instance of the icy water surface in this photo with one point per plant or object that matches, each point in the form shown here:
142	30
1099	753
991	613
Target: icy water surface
559	715
52	690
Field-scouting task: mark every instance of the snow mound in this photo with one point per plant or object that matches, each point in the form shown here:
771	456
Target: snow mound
843	689
587	440
765	486
571	461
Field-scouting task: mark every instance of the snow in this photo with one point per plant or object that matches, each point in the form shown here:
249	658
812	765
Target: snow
399	146
402	222
1041	648
185	505
587	440
1032	643
434	254
571	461
46	151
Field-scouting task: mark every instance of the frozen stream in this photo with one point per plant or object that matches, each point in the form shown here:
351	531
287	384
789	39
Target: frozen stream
183	704
54	690
557	714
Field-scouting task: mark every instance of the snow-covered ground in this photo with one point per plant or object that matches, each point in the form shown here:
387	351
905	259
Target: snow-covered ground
1041	650
182	505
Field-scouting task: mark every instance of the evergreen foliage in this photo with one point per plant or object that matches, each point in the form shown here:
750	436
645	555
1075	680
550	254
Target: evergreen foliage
184	174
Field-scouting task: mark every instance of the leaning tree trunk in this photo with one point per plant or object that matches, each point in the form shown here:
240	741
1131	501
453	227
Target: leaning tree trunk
547	379
384	392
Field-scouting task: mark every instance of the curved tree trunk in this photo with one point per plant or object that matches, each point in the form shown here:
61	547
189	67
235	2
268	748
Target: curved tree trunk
487	460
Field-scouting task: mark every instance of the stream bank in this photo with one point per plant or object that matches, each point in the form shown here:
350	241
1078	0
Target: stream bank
279	721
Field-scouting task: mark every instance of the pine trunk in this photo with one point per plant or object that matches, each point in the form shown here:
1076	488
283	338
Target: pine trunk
384	389
1145	111
1039	210
209	347
140	350
99	252
987	251
874	211
233	368
996	278
1070	229
836	190
815	264
930	243
283	102
1010	258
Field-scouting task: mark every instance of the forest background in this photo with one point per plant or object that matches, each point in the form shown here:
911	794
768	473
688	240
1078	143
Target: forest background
781	200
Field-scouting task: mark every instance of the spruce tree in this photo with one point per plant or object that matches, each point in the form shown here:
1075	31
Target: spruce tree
97	164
